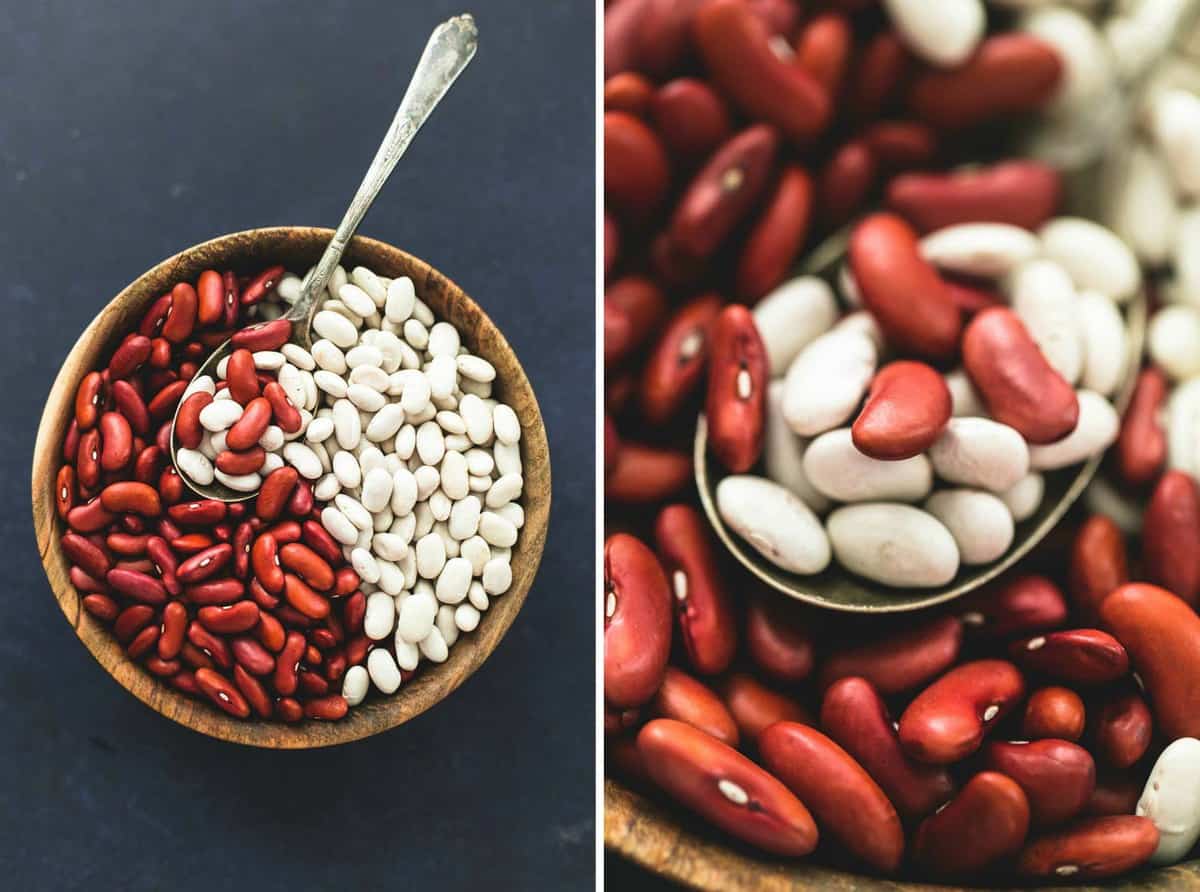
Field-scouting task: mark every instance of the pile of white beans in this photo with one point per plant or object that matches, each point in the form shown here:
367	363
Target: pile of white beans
418	466
1066	283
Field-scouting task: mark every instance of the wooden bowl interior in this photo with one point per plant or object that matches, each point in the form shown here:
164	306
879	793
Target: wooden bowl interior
297	248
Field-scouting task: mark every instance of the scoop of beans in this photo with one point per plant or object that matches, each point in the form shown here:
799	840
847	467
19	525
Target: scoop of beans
250	605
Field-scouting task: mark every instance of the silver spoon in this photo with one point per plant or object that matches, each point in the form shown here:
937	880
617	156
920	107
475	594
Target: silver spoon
450	48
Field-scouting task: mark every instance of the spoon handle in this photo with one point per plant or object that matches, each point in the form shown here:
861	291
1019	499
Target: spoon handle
450	47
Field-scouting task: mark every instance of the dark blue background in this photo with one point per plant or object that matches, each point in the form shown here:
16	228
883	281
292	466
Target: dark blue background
132	129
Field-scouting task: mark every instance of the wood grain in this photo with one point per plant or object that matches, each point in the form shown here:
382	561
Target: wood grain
666	841
297	248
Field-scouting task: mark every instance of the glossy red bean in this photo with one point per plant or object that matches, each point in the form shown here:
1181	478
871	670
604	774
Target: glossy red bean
1057	776
133	352
248	429
165	401
949	719
65	491
1091	849
724	192
136	585
210	295
1161	633
181	317
1142	442
881	68
303	598
844	183
90	518
902	290
129	495
87	461
100	606
677	360
174	630
1098	564
1054	712
637	621
308	565
261	284
1075	656
628	92
738	373
901	661
726	788
286	415
907	409
264	336
779	637
131	406
188	431
132	620
777	236
210	644
1171	536
855	716
823	49
86	555
287	664
648	474
203	512
275	492
216	591
683	698
269	632
242	376
1021	193
222	692
1018	605
691	117
844	799
1122	729
89	399
636	168
236	463
316	538
737	53
986	822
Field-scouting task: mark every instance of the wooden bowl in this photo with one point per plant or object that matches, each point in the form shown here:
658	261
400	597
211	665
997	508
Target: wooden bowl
297	247
666	841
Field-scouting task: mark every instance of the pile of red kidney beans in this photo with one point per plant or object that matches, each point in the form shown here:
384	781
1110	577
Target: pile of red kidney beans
251	604
1008	733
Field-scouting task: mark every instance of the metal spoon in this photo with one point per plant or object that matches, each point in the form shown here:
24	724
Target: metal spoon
450	48
839	589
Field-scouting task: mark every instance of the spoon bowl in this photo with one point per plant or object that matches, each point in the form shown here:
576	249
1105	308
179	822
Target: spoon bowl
837	588
297	248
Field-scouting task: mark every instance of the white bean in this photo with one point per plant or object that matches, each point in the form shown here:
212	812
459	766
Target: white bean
897	545
826	381
1171	800
987	250
1093	256
979	452
1096	430
791	317
382	669
775	522
980	523
380	616
838	471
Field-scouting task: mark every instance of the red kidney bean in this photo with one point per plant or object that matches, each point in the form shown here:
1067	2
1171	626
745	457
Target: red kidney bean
86	555
264	336
308	565
85	583
164	562
1076	656
181	317
1161	632
777	236
691	117
191	543
641	303
755	707
902	290
353	612
900	145
648	474
723	192
881	68
232	297
329	708
204	512
677	360
1021	193
855	716
258	287
164	402
636	169
188	431
210	298
132	620
287	664
173	630
736	50
1009	74
131	407
301	501
151	323
628	92
136	585
1015	381
315	536
101	606
129	495
162	668
1142	442
986	822
738	374
845	800
195	657
251	655
255	694
1091	849
685	699
907	409
129	356
1020	605
778	638
323	638
160	351
222	692
902	661
969	297
286	415
1098	564
823	49
275	492
210	644
242	376
87	462
246	462
1115	794
229	619
345	581
1171	536
90	518
89	399
637	621
1054	712
1057	776
142	642
845	181
65	491
243	537
248	429
726	788
948	720
217	591
288	709
1122	729
304	599
270	632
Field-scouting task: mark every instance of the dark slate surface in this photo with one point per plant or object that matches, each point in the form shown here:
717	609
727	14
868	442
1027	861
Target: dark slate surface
131	129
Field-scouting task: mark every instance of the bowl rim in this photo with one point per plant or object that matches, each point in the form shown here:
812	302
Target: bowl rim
434	683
